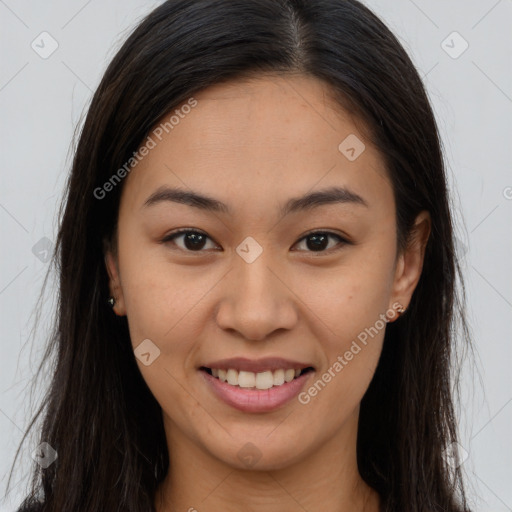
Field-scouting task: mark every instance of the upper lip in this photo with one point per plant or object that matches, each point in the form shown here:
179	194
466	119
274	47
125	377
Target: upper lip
256	365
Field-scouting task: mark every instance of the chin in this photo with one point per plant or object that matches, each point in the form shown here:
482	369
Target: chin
259	453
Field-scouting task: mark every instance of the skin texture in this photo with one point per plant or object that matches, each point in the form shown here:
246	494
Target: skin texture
254	144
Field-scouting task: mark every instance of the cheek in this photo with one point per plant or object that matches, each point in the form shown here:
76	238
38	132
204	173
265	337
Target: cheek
348	303
351	329
349	297
158	295
162	306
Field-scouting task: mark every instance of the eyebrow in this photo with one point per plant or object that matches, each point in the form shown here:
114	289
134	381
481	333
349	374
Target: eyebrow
332	195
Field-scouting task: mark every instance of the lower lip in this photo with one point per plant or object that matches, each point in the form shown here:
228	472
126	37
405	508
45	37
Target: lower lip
256	400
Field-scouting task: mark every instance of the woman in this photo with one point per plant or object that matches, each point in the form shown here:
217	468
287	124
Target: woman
257	274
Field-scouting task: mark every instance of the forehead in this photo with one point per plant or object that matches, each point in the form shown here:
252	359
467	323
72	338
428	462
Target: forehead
258	138
265	117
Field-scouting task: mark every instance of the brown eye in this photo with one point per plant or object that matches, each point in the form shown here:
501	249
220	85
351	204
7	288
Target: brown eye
318	241
193	241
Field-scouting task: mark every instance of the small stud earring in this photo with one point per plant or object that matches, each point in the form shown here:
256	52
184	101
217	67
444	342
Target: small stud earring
400	311
111	301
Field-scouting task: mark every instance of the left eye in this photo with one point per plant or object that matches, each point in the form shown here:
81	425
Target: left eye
194	241
318	240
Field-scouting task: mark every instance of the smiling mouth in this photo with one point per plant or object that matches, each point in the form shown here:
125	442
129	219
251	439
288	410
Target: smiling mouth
259	381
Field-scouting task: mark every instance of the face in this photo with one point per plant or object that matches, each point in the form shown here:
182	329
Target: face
290	265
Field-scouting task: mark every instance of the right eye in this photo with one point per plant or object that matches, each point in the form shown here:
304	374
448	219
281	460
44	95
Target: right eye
193	241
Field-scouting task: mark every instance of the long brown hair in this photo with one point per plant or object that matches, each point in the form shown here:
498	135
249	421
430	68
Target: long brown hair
99	414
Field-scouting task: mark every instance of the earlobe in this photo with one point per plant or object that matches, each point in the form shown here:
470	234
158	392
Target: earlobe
116	299
410	263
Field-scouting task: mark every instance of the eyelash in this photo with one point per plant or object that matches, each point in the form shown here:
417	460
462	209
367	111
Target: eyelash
172	236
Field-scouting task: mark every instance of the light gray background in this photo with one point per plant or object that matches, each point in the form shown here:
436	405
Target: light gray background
41	101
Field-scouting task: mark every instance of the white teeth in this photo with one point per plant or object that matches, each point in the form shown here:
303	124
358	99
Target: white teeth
264	380
246	379
261	380
278	377
289	375
232	377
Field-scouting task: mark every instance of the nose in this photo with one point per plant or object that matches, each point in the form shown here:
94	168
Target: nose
256	300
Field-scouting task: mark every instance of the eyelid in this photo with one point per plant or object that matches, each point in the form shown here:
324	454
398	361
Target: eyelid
326	231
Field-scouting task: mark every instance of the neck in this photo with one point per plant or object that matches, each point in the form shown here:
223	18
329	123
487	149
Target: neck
327	480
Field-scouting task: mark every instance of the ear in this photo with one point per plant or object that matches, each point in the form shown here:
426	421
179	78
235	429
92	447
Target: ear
116	290
410	263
